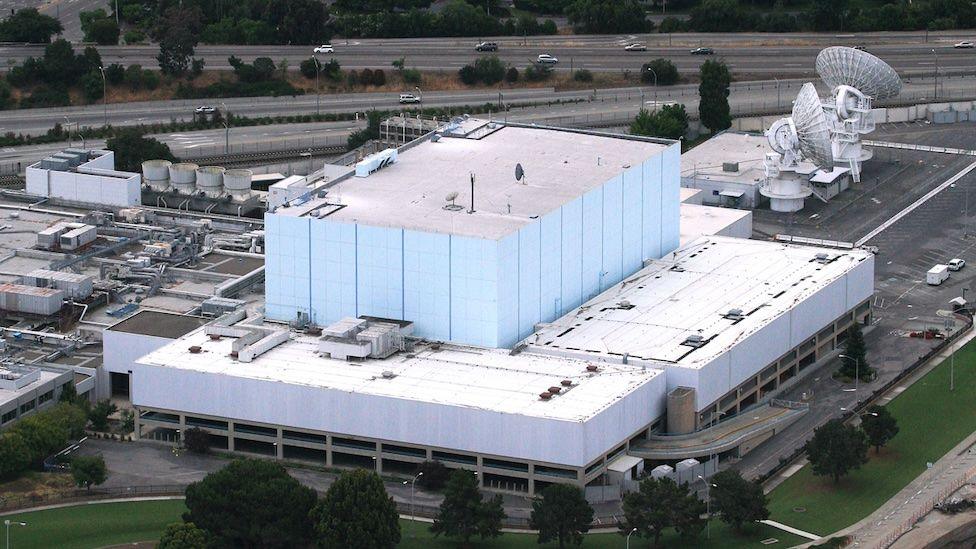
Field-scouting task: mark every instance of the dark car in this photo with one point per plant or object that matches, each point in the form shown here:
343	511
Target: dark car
702	51
486	46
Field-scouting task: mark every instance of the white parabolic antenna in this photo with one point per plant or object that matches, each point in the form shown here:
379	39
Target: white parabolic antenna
804	135
856	78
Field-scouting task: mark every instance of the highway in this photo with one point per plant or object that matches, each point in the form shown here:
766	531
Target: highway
746	97
748	54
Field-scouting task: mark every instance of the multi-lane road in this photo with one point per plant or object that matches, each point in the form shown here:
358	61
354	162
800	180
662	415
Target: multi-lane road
749	54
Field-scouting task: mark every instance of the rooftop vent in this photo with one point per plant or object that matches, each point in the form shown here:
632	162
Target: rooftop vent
545	395
730	167
388	374
195	349
215	337
592	368
624	304
734	315
555	389
822	258
566	383
694	340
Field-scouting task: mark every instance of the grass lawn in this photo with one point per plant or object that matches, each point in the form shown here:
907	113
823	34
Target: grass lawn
98	525
94	525
932	421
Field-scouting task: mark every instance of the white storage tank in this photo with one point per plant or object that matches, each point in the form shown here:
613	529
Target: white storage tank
237	183
210	180
155	174
28	299
183	177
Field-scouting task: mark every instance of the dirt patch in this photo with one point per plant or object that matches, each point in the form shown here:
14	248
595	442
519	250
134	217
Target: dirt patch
37	484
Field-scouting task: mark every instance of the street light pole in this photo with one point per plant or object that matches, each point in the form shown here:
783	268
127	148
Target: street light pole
7	523
655	87
708	507
318	89
857	375
936	90
104	96
777	91
631	533
226	128
412	485
420	96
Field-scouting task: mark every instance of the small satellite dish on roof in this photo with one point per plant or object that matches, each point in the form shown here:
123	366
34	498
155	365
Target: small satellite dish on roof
519	173
452	207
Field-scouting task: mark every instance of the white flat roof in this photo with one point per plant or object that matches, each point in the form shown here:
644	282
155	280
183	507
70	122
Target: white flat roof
6	395
698	221
560	165
688	293
468	377
706	160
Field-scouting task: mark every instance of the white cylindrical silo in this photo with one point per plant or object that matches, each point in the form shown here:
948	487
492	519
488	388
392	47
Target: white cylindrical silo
183	177
210	180
155	174
237	183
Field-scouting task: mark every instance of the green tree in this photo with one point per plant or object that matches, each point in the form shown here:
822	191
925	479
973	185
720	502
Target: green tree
398	64
608	16
722	16
511	75
15	456
855	359
251	503
42	436
434	475
879	425
737	500
91	86
828	15
379	77
468	75
184	535
28	25
114	73
99	27
489	69
68	394
670	122
196	440
356	512
464	514
562	514
88	471
99	413
133	77
132	149
308	68
836	449
667	73
6	95
659	504
178	36
713	91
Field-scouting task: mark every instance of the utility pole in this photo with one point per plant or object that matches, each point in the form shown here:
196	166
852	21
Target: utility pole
318	89
936	90
104	96
226	122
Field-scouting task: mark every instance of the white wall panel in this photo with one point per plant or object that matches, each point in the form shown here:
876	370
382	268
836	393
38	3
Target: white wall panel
612	232
529	279
572	254
757	350
592	251
652	207
860	282
120	351
811	315
508	305
427	283
633	221
550	267
379	271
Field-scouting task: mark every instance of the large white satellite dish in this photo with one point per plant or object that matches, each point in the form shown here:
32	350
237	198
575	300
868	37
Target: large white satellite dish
812	128
844	66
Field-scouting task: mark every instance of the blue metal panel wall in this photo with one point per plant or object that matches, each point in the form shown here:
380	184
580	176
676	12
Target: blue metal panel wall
633	221
612	232
288	267
550	265
334	280
671	199
508	303
474	291
572	254
592	249
427	283
379	267
652	206
529	278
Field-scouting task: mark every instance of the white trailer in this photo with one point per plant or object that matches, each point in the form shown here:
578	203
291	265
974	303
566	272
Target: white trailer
937	275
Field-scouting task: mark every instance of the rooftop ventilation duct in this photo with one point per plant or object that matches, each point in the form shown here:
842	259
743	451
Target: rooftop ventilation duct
734	315
360	338
694	340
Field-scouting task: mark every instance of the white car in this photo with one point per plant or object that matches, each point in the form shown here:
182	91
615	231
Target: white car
545	58
635	47
964	45
408	98
206	109
956	264
324	48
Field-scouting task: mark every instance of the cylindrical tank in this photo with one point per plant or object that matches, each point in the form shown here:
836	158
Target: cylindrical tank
237	183
155	174
183	177
210	180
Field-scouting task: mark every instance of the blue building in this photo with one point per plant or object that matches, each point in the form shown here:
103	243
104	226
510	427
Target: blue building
443	235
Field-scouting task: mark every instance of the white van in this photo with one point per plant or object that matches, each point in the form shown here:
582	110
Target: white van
937	275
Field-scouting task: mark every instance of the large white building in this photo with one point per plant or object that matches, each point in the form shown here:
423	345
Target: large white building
84	177
576	325
410	241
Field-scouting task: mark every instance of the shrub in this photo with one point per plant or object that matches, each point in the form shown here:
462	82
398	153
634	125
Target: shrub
114	73
308	68
583	75
489	69
379	77
366	77
99	413
468	75
150	79
412	76
434	476
133	77
91	86
536	72
352	79
667	73
511	75
196	440
134	37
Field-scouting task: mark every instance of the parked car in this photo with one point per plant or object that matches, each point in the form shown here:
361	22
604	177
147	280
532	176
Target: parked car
702	51
324	48
964	45
408	98
635	47
486	46
205	109
545	58
956	264
861	47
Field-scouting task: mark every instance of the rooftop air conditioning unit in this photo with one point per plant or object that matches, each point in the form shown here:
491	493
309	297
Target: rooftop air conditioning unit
734	314
694	340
